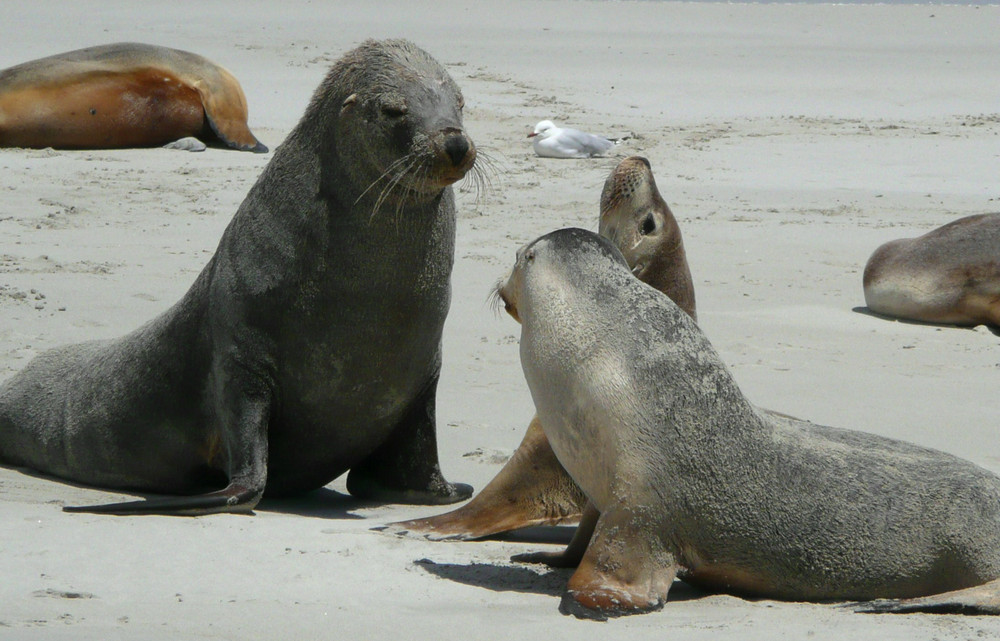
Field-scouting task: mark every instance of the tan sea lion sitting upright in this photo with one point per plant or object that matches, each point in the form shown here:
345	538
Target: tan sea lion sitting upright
310	344
950	275
533	488
685	477
122	95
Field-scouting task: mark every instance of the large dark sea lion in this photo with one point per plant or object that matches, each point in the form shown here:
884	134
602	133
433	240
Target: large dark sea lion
950	275
533	488
687	478
122	95
310	344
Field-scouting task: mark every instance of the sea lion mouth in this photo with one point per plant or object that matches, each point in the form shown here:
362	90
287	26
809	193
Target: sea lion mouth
455	157
432	164
499	297
511	309
620	192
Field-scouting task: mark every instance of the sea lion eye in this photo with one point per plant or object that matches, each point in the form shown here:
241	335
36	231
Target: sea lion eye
648	225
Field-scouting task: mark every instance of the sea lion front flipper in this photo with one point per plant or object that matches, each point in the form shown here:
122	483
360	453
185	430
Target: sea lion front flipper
979	599
983	305
226	112
405	468
627	569
532	489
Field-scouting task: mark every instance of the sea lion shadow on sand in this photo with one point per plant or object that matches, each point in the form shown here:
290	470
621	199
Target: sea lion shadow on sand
867	311
323	503
520	578
499	578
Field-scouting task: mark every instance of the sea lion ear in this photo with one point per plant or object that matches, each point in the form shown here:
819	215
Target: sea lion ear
350	100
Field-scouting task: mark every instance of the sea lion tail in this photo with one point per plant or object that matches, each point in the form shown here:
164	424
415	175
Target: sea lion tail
226	112
979	600
233	499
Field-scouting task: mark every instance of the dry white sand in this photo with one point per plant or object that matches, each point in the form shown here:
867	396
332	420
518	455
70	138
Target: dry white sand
790	141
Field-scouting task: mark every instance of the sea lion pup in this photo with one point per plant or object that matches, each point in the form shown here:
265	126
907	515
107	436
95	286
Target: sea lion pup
310	344
533	488
950	275
687	478
638	221
122	95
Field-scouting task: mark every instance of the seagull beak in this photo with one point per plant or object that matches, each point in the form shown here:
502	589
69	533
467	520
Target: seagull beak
532	134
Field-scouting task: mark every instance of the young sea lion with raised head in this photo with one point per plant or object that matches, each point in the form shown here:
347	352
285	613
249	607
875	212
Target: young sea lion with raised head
533	488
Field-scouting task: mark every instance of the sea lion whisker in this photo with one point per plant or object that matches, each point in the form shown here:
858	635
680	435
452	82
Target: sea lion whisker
482	184
416	185
383	176
494	299
392	184
483	173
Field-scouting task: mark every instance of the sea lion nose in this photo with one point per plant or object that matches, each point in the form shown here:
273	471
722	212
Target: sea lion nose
457	147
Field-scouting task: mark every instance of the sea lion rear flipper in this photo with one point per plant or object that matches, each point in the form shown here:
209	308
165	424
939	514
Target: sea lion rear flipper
234	498
244	408
980	599
531	489
573	554
226	112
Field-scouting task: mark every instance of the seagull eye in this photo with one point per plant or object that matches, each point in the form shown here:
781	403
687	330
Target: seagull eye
648	225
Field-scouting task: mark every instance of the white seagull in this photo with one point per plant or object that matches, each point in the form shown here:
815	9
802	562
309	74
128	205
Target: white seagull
550	141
